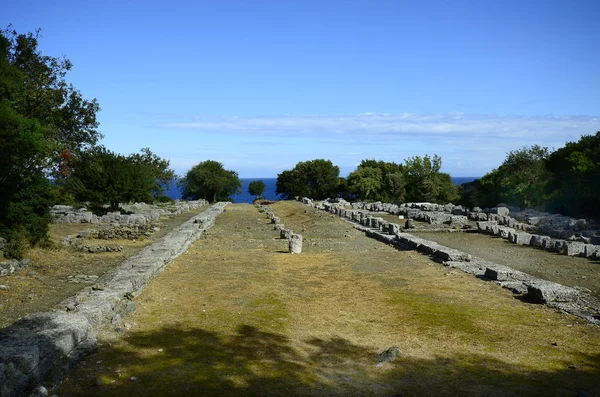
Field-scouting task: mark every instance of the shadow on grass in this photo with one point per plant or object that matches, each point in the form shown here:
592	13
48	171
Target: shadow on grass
257	363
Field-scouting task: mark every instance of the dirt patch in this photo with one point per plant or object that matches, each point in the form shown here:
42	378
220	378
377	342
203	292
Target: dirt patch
44	283
237	315
562	269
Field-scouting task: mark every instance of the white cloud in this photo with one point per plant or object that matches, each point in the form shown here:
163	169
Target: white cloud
470	144
384	126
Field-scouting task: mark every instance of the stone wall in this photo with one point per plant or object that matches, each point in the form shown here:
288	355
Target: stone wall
69	214
294	239
562	297
523	227
40	348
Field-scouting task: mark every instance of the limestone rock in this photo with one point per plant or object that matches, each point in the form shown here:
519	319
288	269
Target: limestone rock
295	243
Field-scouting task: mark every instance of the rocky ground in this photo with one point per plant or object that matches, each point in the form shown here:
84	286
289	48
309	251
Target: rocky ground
57	273
562	269
238	315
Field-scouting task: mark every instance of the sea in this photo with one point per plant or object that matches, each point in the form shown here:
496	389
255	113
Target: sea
245	197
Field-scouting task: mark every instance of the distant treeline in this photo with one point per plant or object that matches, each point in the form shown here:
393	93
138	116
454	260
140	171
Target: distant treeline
418	179
565	181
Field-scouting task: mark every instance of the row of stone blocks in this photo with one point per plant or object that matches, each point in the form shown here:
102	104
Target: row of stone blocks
536	290
294	239
438	214
570	248
39	349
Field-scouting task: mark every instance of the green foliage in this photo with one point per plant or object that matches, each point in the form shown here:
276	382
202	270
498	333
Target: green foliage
425	182
574	184
101	176
520	180
163	175
366	182
318	179
42	120
209	180
164	199
469	194
378	181
34	84
566	181
256	188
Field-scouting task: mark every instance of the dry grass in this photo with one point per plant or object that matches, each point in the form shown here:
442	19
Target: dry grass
235	315
44	283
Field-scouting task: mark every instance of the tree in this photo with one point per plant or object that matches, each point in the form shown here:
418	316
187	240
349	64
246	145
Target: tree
159	167
318	179
574	184
256	188
378	181
211	181
42	120
101	176
520	180
366	182
425	182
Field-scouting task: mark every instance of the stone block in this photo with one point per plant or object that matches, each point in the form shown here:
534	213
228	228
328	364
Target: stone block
516	287
503	231
450	254
482	225
574	248
375	223
505	273
458	220
591	250
543	291
295	243
520	238
467	267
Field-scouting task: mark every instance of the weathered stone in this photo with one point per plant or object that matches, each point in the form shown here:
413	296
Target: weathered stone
295	243
41	348
503	231
467	267
591	250
573	248
501	211
458	220
410	224
516	287
375	223
285	233
520	238
505	273
393	228
483	225
543	291
449	254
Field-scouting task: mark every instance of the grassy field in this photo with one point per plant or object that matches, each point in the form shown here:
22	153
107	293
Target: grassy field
237	315
43	284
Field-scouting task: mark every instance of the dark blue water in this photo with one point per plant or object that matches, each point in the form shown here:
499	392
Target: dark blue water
245	197
459	180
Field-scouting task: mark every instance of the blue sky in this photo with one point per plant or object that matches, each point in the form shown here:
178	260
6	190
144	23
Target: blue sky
261	85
